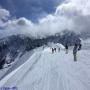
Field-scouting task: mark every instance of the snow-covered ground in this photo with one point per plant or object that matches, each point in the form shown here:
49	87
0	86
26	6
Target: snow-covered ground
18	61
86	44
47	71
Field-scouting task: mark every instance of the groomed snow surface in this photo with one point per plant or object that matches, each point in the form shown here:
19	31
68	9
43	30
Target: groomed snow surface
47	71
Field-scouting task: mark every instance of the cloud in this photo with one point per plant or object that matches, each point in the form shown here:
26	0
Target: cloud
71	15
68	9
46	26
78	11
84	5
17	26
32	9
4	14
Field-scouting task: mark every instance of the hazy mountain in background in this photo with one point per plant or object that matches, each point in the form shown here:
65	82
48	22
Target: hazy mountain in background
17	45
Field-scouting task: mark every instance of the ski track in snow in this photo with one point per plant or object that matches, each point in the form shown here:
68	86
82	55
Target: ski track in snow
47	71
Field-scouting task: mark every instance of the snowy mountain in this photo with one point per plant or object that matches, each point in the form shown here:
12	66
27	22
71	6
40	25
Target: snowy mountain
15	46
47	71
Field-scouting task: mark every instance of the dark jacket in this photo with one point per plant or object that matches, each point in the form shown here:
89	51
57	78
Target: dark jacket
76	48
66	46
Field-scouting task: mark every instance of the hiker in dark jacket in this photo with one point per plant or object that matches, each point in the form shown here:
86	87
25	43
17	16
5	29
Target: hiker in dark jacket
52	50
66	47
59	49
80	46
76	48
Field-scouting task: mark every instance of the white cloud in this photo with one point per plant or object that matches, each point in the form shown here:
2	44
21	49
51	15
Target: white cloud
46	26
68	9
78	11
84	5
71	15
4	13
18	26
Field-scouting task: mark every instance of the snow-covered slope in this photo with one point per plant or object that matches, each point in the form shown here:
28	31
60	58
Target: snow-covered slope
18	61
47	71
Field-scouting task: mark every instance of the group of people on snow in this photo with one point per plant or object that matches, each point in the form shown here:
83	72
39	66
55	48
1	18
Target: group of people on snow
54	50
76	48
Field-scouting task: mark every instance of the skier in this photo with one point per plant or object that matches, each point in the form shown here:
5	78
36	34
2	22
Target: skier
76	48
43	47
55	49
66	47
59	49
52	50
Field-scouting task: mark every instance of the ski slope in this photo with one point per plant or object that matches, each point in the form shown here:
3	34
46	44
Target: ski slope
47	71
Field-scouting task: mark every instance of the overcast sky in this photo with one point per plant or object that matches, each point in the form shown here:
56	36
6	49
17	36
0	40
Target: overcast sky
41	18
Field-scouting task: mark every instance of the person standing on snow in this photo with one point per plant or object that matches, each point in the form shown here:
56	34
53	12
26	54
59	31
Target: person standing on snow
66	47
52	50
75	49
59	49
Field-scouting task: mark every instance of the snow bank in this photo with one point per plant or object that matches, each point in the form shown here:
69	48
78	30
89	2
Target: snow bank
46	71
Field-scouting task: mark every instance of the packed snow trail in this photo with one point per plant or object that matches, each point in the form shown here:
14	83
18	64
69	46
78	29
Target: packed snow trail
47	71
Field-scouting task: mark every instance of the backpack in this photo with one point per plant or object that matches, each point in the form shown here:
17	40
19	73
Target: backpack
80	46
